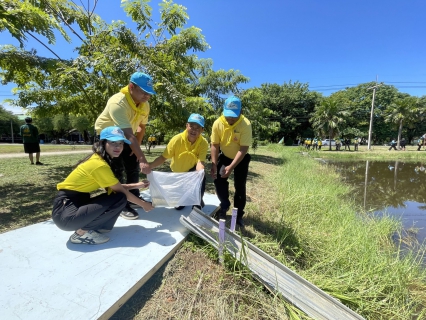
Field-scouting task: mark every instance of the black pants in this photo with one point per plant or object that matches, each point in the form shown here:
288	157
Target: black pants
74	210
203	184
131	166
392	146
240	181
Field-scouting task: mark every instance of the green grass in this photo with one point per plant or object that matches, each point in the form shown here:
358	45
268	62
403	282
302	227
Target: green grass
19	148
349	255
295	213
376	153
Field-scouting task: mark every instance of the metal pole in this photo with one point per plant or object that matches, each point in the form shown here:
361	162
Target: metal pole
11	130
371	120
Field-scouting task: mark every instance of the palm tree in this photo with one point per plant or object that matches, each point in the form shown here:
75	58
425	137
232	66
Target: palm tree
328	117
400	110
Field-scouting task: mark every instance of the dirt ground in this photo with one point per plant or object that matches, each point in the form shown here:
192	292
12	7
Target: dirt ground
192	285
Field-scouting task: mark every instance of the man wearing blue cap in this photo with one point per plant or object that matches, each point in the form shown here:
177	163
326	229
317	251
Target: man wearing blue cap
129	110
232	135
188	151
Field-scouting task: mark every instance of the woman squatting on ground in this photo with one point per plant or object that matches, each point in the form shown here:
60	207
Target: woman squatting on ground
90	217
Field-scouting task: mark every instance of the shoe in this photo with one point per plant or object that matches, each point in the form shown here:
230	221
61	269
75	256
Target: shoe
32	162
90	237
221	214
38	163
198	206
129	213
103	230
179	208
240	222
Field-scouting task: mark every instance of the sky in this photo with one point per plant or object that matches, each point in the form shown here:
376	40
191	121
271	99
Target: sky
329	44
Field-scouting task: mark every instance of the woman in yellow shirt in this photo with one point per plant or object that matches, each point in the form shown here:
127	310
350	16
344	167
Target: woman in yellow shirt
90	217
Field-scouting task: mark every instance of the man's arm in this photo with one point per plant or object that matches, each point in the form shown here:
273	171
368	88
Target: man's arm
238	158
214	153
157	162
137	151
140	133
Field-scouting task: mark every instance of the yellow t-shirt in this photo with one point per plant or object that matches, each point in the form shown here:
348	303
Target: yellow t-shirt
242	137
176	147
89	176
119	113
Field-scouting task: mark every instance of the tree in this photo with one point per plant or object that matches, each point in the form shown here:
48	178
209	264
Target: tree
107	55
61	124
405	109
329	117
7	118
259	115
291	104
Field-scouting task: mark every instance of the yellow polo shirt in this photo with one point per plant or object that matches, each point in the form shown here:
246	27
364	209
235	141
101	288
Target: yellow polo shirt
89	176
118	112
242	137
181	160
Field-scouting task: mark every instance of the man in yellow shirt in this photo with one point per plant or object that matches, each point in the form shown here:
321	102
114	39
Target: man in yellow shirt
232	136
129	110
188	151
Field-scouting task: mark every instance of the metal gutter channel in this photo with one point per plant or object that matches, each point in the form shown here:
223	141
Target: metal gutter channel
277	277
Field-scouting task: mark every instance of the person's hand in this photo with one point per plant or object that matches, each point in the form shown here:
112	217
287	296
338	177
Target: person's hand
142	184
145	167
147	206
213	172
226	172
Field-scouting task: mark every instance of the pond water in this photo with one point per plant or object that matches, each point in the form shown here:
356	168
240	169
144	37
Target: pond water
395	187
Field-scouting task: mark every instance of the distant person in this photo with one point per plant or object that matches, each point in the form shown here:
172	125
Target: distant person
347	143
319	144
129	110
402	144
90	217
393	145
232	135
29	135
420	143
188	151
315	143
356	143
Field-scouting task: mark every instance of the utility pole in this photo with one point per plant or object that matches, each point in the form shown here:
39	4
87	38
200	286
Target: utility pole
11	129
370	130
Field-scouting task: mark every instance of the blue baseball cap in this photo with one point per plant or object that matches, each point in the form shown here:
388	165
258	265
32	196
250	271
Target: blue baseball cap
196	118
232	107
143	81
114	134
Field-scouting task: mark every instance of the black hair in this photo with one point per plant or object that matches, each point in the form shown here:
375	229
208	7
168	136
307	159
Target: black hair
116	164
28	119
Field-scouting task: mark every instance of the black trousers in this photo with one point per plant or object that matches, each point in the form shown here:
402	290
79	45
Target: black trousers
74	210
131	166
240	181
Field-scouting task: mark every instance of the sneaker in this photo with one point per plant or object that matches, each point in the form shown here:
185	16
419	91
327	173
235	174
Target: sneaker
179	208
129	213
240	222
90	237
103	230
38	163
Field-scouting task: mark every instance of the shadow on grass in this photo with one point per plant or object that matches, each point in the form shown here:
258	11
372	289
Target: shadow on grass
285	236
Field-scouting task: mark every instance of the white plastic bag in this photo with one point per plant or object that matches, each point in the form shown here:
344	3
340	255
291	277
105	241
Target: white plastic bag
173	189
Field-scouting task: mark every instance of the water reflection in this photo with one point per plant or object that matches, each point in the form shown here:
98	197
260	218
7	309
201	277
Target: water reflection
397	187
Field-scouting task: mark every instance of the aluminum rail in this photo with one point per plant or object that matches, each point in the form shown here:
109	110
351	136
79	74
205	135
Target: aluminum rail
273	274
